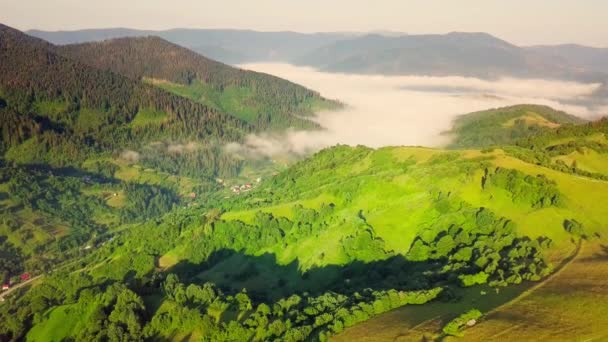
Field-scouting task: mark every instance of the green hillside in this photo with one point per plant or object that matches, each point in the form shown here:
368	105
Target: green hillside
505	125
263	100
336	239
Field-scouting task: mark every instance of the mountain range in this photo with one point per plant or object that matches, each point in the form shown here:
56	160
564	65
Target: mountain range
456	53
228	46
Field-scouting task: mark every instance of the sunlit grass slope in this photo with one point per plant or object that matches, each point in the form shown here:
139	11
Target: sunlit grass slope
394	190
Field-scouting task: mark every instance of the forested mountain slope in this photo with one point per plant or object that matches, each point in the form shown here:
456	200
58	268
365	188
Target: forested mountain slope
64	128
70	100
263	100
85	151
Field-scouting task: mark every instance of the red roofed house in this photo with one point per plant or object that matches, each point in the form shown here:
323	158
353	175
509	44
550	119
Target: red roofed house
25	277
6	286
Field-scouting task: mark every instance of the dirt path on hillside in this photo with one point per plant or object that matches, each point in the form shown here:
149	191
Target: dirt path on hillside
567	262
411	322
17	287
4	294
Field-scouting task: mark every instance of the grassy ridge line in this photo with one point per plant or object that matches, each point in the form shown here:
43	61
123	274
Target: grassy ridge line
500	126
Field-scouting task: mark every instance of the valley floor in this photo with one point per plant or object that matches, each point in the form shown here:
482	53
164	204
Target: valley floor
571	305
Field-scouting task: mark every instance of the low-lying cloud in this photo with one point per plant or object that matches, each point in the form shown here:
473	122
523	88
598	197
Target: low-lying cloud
176	148
402	110
130	156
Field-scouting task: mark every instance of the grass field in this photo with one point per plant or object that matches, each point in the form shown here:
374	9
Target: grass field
148	116
398	204
532	118
60	322
282	210
424	323
129	172
52	109
242	102
234	100
587	160
572	306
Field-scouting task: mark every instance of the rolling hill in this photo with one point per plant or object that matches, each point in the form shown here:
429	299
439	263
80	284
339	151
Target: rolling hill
108	97
344	236
506	125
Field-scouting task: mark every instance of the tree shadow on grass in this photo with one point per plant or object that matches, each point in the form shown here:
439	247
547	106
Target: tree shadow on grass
265	279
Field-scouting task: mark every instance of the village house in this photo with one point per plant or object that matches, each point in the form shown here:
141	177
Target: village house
6	286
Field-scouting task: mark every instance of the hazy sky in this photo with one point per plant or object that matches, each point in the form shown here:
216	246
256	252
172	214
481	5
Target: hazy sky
519	21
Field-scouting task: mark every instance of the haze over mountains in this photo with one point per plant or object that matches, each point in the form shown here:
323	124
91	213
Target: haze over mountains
405	110
228	46
457	53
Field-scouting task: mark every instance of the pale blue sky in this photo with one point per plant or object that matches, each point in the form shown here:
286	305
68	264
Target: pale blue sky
519	21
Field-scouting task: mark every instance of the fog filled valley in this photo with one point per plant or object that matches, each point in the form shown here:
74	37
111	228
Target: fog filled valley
407	110
236	185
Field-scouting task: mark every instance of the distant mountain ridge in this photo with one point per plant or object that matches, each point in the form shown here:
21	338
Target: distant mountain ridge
456	53
228	46
583	56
